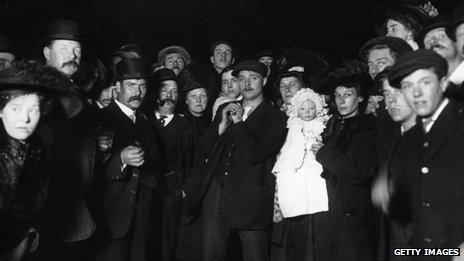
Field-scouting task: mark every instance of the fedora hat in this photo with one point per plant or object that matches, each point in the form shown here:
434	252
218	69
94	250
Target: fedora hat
131	68
62	29
431	24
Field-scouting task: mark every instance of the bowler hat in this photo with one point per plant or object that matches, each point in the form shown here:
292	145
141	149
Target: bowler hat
6	45
431	24
396	44
250	65
414	15
413	61
64	29
131	68
457	20
21	80
174	49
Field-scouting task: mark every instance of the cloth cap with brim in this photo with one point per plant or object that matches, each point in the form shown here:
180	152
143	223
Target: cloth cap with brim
431	24
457	20
413	61
174	49
250	65
62	29
20	80
415	15
5	45
398	45
343	77
131	68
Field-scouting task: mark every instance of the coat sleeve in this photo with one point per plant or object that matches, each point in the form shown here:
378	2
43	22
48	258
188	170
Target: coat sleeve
257	147
114	168
356	165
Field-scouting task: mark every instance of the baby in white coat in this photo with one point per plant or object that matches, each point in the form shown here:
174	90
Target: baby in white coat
300	189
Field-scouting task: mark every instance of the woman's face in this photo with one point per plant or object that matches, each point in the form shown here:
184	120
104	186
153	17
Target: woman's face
347	101
397	29
307	111
230	85
21	115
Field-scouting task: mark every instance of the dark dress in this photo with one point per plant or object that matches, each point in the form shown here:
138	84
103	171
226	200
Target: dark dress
24	182
348	157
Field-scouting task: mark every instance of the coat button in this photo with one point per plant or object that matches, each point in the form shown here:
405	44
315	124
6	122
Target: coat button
424	170
425	204
134	175
426	144
133	192
427	239
226	173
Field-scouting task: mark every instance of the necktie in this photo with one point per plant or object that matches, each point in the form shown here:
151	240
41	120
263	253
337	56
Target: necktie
132	117
162	120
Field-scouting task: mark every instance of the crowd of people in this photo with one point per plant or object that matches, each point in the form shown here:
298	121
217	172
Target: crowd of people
269	158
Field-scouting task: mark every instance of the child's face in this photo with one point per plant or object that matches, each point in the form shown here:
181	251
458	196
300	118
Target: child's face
307	111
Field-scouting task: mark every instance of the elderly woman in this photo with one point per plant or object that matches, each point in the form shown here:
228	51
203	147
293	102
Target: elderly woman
24	162
345	231
288	82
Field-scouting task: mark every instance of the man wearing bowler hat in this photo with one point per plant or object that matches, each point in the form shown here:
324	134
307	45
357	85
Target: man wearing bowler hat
432	152
62	48
131	169
245	138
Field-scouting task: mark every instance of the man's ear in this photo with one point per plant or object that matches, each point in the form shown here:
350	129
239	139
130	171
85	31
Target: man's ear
118	87
264	80
360	99
46	53
211	58
232	62
444	83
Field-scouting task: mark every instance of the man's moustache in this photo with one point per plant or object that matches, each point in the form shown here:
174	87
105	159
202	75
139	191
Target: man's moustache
164	101
135	98
70	63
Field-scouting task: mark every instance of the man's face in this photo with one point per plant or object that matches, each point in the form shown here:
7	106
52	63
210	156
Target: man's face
131	92
288	87
397	29
229	85
460	39
378	59
222	57
175	62
347	101
266	60
196	100
169	94
423	91
397	107
107	95
64	55
437	41
5	60
251	84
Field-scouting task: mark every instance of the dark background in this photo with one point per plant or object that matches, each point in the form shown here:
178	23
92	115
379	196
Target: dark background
335	28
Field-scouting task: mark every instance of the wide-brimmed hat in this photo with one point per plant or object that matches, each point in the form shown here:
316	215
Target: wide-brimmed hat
431	24
174	49
62	29
456	20
17	79
342	77
415	15
131	68
195	76
250	65
398	45
6	45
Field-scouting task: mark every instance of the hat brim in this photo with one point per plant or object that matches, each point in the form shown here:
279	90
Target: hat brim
328	86
135	76
174	49
71	101
451	28
426	30
384	11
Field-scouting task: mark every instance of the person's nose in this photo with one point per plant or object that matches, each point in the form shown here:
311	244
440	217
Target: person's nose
24	116
374	70
417	91
136	91
176	64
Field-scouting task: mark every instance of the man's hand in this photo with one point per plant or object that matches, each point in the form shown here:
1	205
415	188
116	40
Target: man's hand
132	156
237	112
381	192
225	119
316	146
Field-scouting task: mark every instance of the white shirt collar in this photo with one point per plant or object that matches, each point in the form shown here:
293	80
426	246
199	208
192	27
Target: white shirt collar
436	115
128	111
98	104
457	77
167	120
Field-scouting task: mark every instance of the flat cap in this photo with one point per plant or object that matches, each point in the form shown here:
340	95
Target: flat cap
398	45
413	61
250	65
